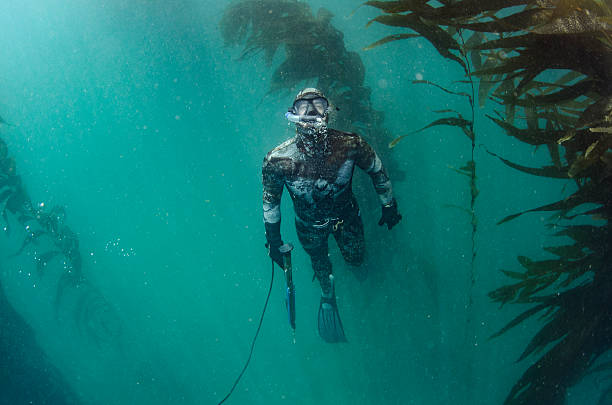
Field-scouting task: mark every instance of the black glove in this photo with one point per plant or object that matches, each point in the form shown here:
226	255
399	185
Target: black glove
275	254
274	242
390	215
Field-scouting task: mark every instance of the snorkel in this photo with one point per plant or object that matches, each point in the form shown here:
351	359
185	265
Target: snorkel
305	120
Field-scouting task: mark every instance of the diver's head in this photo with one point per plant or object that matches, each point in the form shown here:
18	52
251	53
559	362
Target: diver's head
310	110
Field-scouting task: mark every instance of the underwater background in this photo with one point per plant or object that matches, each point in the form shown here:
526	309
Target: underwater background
136	118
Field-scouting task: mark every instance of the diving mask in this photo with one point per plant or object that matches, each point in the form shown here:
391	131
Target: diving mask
311	106
309	111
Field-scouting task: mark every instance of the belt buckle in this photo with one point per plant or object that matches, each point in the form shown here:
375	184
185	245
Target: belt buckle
337	224
322	225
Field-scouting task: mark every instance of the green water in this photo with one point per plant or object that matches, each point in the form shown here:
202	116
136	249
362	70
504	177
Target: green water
133	116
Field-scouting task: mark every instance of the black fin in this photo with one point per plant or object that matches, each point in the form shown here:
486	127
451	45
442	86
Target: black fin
330	325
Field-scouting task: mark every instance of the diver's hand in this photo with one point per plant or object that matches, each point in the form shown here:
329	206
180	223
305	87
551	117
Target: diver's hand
275	254
390	215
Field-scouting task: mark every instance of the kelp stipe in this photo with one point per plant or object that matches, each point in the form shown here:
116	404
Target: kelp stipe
572	117
450	43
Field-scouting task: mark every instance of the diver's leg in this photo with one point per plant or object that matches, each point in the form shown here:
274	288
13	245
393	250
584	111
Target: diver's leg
350	239
314	242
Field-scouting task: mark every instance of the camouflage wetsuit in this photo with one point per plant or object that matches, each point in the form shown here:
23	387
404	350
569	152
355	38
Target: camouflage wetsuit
319	178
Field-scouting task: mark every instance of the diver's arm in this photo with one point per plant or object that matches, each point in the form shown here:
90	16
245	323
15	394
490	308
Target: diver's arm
368	160
272	192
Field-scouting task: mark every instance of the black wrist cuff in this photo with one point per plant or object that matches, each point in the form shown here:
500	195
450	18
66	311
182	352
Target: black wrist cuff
273	235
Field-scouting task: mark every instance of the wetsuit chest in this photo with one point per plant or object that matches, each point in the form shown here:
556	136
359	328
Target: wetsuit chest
314	177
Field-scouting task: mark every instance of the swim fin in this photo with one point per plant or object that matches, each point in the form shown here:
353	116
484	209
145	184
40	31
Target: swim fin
330	325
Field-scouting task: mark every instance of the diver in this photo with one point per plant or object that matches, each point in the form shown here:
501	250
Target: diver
316	166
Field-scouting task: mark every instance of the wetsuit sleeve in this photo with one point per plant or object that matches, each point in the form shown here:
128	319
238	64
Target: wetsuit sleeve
367	160
272	180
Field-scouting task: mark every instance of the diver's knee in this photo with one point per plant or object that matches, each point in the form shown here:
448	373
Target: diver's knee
354	256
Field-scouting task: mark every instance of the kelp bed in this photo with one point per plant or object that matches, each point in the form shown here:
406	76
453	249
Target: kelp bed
549	63
53	246
28	376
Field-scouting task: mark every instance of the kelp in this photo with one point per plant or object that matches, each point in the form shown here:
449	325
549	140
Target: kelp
456	93
533	137
460	122
314	51
548	62
450	44
444	43
513	22
546	171
262	25
53	245
388	39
